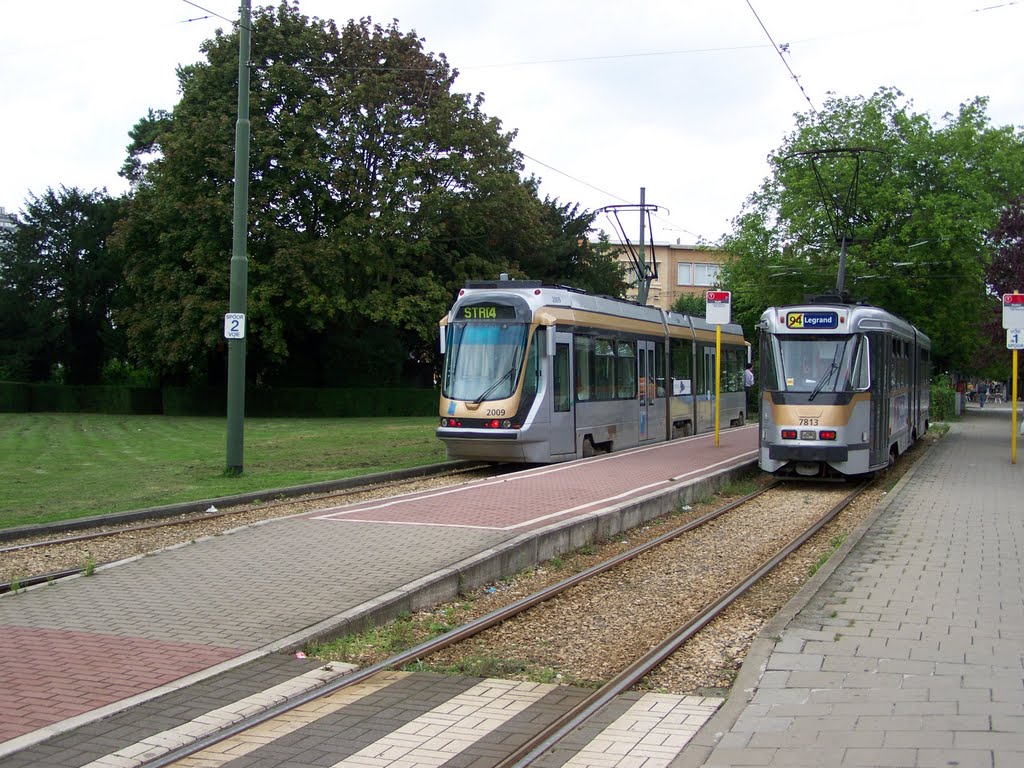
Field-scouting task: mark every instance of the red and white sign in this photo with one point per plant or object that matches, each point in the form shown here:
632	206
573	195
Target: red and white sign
1013	310
719	307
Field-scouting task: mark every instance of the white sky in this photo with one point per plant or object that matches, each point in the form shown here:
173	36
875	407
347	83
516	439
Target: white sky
681	97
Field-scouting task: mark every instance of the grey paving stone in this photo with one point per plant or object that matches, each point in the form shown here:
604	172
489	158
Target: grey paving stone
926	599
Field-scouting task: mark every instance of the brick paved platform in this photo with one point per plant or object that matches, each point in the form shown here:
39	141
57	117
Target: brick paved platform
88	647
908	651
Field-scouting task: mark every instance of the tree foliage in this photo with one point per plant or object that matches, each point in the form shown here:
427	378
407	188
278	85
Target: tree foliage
59	283
1005	275
376	191
916	228
694	304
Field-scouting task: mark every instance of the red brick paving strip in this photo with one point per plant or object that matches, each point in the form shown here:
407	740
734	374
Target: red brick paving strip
49	675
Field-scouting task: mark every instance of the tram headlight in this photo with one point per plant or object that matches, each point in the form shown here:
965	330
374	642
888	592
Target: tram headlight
506	424
789	434
827	434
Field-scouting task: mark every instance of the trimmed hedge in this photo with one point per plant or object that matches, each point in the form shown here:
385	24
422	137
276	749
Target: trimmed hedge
80	399
16	397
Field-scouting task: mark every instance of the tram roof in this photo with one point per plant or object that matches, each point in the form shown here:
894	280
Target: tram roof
560	297
856	318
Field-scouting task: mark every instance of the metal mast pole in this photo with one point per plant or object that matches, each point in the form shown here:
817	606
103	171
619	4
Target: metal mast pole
239	264
841	276
641	285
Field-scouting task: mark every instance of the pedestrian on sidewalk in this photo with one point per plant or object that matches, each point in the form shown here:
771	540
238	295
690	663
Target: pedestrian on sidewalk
982	393
748	385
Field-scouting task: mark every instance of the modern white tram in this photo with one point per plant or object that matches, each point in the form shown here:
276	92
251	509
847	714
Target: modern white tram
542	374
844	389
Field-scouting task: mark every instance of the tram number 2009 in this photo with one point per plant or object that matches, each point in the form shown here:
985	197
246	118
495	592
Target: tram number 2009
495	411
808	422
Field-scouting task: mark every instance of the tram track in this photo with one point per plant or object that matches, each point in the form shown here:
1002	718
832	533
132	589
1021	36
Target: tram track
533	749
627	677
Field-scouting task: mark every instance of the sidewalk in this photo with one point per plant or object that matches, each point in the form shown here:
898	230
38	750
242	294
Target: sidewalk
910	650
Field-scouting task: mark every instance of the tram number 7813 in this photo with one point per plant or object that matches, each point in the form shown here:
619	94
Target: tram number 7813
808	422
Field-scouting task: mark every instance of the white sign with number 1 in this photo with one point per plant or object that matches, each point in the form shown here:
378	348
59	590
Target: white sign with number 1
1015	338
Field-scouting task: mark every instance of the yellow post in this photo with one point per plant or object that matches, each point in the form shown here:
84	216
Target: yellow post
718	375
1013	433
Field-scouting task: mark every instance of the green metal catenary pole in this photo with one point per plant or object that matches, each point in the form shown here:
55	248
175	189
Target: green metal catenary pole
239	265
643	283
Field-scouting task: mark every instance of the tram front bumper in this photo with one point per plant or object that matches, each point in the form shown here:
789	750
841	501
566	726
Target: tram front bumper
808	452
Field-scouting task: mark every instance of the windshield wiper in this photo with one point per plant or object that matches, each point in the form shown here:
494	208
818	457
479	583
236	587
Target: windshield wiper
832	368
506	375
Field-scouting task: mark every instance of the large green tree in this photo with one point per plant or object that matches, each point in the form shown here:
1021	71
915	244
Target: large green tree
913	198
59	285
1005	275
376	191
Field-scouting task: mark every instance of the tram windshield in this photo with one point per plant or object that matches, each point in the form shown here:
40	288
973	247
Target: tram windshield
483	360
818	364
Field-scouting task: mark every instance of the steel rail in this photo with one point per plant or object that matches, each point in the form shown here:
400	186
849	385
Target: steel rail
189	507
456	635
538	745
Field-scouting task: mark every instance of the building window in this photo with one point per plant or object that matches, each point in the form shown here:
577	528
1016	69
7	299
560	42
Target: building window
697	273
684	273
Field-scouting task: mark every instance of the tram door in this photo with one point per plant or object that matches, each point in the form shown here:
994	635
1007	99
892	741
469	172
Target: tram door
704	399
563	417
651	390
880	355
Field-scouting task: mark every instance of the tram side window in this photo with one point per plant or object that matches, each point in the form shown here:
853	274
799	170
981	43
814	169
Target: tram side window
531	379
562	391
705	363
861	377
604	369
584	349
659	369
733	377
879	377
625	370
682	367
770	357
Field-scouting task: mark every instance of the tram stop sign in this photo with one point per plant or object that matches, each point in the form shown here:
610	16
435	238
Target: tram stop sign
719	307
1015	338
1013	310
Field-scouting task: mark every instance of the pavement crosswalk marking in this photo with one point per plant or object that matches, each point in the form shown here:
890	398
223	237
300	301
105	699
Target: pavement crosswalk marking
445	731
651	733
161	743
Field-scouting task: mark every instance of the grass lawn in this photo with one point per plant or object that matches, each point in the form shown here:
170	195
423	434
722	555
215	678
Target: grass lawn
55	466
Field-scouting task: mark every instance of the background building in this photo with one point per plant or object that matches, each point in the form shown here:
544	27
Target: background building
8	221
681	269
